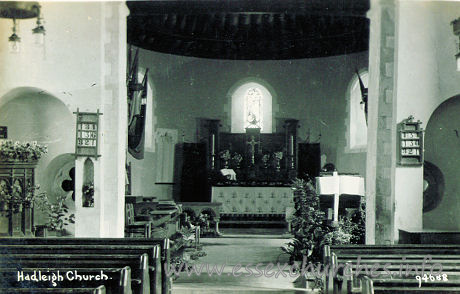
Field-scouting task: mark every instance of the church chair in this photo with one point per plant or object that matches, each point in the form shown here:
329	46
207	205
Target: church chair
136	226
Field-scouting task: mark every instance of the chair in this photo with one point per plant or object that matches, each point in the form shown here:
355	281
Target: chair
140	226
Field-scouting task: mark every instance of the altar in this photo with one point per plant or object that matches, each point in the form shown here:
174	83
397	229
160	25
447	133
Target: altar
249	173
253	200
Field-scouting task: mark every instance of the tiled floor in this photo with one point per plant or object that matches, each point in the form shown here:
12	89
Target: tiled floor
247	249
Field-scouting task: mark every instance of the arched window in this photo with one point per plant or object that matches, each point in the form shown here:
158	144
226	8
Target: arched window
357	126
251	108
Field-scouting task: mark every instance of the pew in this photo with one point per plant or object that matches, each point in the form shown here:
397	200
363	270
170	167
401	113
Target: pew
153	252
161	283
138	264
407	285
385	262
97	290
118	280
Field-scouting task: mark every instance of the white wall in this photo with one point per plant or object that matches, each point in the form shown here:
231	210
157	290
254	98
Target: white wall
83	65
426	76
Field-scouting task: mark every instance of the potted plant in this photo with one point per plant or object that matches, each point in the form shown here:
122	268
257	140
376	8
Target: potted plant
57	213
88	195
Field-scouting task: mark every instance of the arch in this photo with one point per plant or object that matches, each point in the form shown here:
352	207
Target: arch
28	91
32	114
355	121
235	103
442	141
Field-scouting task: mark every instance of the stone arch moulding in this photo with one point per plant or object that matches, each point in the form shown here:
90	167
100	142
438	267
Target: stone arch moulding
23	91
227	121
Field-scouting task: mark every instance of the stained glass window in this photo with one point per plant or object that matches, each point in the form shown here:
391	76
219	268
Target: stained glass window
253	108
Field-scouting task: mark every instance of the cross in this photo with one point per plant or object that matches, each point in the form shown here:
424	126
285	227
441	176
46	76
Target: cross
252	143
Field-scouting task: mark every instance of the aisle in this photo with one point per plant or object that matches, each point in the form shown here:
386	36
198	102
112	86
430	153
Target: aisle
247	250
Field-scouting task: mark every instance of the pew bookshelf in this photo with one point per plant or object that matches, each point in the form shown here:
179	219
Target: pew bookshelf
97	290
145	258
390	269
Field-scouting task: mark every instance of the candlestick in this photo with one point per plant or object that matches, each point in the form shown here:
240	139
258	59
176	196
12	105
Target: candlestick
213	139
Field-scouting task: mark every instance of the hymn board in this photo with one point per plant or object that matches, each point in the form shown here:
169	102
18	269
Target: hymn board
87	134
410	142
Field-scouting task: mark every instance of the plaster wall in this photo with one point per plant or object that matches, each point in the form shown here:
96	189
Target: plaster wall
310	90
426	76
82	66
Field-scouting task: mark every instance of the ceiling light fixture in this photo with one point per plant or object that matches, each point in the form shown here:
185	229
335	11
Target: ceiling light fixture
22	10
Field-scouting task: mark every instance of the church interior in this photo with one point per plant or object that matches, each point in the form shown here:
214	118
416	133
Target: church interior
142	136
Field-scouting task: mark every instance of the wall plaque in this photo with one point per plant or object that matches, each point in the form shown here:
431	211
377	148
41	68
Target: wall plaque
410	142
87	134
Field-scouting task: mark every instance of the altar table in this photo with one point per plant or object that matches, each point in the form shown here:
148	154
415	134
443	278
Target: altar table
253	200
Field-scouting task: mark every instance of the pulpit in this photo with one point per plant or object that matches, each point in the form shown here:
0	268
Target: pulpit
17	175
341	188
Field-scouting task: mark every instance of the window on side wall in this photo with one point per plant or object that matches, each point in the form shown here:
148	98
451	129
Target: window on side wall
357	125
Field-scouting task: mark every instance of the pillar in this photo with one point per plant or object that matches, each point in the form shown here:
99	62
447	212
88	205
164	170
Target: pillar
381	155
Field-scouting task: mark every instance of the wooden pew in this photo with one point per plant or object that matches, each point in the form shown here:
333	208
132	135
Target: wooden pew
138	264
397	256
407	285
153	252
119	280
97	290
149	246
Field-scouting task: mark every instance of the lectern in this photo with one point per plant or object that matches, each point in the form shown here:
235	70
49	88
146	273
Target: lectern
338	185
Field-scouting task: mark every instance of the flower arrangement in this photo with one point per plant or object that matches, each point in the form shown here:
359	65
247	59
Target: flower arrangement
265	158
88	193
236	159
225	155
278	155
21	151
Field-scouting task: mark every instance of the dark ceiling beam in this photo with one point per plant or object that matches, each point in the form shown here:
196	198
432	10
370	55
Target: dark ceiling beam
260	35
336	7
